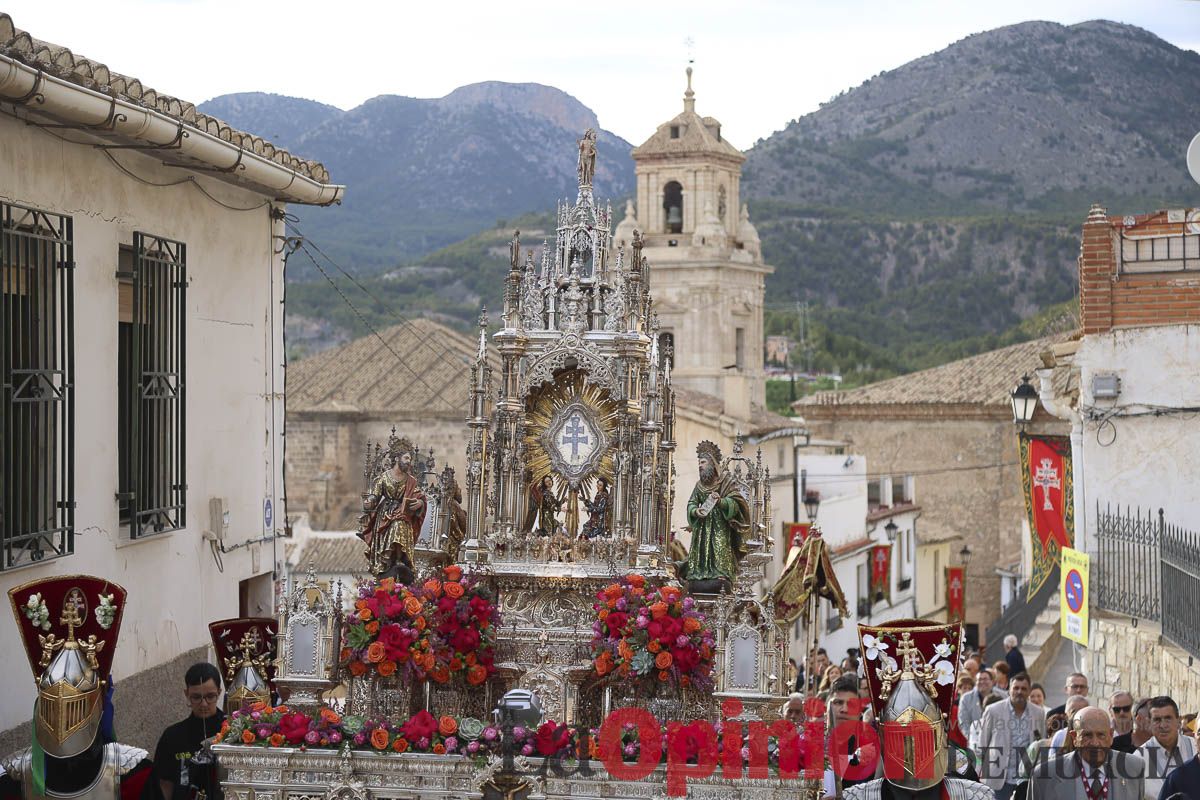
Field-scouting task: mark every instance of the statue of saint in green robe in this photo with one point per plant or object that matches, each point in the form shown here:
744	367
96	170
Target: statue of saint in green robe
719	516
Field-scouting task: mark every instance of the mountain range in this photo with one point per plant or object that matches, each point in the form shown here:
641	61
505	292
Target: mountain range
424	173
931	212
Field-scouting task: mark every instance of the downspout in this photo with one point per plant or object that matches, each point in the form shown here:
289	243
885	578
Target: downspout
21	84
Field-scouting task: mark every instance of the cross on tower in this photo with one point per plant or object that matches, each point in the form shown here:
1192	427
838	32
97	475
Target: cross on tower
1046	477
575	435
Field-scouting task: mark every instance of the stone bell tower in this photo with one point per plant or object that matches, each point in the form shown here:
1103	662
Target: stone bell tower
706	255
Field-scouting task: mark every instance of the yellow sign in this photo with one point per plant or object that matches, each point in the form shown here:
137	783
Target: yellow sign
1074	596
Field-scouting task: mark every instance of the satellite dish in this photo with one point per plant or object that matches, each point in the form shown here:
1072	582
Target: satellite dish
1193	158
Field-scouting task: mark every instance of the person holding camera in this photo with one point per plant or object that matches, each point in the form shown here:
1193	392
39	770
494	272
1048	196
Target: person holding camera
181	766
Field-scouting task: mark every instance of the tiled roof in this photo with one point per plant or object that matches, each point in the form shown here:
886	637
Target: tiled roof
60	62
983	380
339	554
762	421
365	376
695	136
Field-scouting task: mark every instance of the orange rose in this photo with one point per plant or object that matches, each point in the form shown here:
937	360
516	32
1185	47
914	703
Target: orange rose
386	668
453	572
439	748
654	646
388	584
376	652
419	623
360	604
691	625
225	724
412	606
259	706
330	716
456	664
439	673
373	627
400	745
603	664
603	614
658	610
669	593
663	675
471	659
220	737
624	650
379	738
282	709
623	670
357	668
685	681
613	591
663	660
364	614
476	675
454	590
447	725
345	656
636	580
434	587
247	737
705	651
276	740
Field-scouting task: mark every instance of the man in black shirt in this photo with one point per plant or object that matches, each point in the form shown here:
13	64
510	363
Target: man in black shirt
1131	741
178	772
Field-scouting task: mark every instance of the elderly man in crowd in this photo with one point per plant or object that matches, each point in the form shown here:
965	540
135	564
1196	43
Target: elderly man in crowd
1092	769
1140	734
1166	751
1013	655
1074	704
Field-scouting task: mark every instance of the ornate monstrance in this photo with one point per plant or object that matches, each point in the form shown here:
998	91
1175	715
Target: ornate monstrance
570	431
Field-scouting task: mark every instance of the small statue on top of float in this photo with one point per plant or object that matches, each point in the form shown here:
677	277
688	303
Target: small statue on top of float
393	513
599	509
719	516
543	507
456	515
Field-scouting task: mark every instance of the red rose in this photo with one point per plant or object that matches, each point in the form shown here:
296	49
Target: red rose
552	738
395	641
685	658
481	608
697	740
446	604
671	628
421	725
616	622
655	629
293	727
465	640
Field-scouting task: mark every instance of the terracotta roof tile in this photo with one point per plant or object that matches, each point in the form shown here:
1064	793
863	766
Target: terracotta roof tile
364	376
695	136
340	554
986	379
60	62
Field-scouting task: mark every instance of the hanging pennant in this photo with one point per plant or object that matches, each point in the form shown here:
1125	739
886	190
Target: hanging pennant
1046	482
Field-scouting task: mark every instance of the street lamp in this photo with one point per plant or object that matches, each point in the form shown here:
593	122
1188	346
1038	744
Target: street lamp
964	555
1024	402
812	502
890	529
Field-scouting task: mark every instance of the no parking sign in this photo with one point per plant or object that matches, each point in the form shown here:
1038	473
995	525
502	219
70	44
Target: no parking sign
1074	596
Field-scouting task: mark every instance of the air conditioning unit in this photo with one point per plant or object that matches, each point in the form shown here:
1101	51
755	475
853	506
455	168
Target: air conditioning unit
218	519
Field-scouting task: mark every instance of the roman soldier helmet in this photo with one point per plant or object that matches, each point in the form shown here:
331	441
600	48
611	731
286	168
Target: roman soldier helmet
912	668
245	650
69	627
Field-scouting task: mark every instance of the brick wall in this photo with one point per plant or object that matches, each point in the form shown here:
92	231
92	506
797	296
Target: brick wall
1117	296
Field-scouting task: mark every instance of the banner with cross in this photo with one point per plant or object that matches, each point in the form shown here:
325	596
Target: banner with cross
1047	485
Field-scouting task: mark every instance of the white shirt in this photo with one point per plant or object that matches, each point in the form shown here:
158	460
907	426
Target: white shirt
1160	763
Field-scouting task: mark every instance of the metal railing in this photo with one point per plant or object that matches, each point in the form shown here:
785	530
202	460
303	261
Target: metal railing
1148	569
1021	613
1126	579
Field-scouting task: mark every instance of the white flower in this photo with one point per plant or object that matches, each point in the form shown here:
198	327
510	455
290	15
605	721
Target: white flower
875	648
942	649
36	612
106	611
945	672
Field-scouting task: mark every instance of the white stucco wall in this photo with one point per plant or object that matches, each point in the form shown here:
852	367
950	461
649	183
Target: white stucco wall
234	403
1153	461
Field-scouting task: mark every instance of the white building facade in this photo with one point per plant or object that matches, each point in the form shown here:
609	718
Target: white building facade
143	364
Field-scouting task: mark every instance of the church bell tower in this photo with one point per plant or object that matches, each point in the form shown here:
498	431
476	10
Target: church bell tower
706	256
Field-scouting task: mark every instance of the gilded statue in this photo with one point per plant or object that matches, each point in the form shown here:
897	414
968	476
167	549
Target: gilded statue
456	516
719	516
599	509
393	512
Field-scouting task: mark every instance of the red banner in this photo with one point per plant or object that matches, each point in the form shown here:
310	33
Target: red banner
956	585
794	533
1046	481
881	564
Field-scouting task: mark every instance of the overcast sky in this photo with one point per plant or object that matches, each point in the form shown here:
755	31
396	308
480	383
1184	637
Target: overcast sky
757	67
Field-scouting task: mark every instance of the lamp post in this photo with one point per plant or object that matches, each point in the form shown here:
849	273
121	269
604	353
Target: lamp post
1024	402
812	503
891	529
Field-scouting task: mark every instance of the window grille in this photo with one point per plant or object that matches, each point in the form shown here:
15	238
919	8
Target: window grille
152	370
37	412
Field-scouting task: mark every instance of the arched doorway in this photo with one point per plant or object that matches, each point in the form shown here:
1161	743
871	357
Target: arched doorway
673	207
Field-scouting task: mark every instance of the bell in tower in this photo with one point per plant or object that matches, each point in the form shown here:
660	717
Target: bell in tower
673	205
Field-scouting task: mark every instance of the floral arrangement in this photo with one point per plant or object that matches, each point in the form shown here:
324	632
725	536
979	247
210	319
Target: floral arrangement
106	611
650	634
260	725
36	612
436	630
